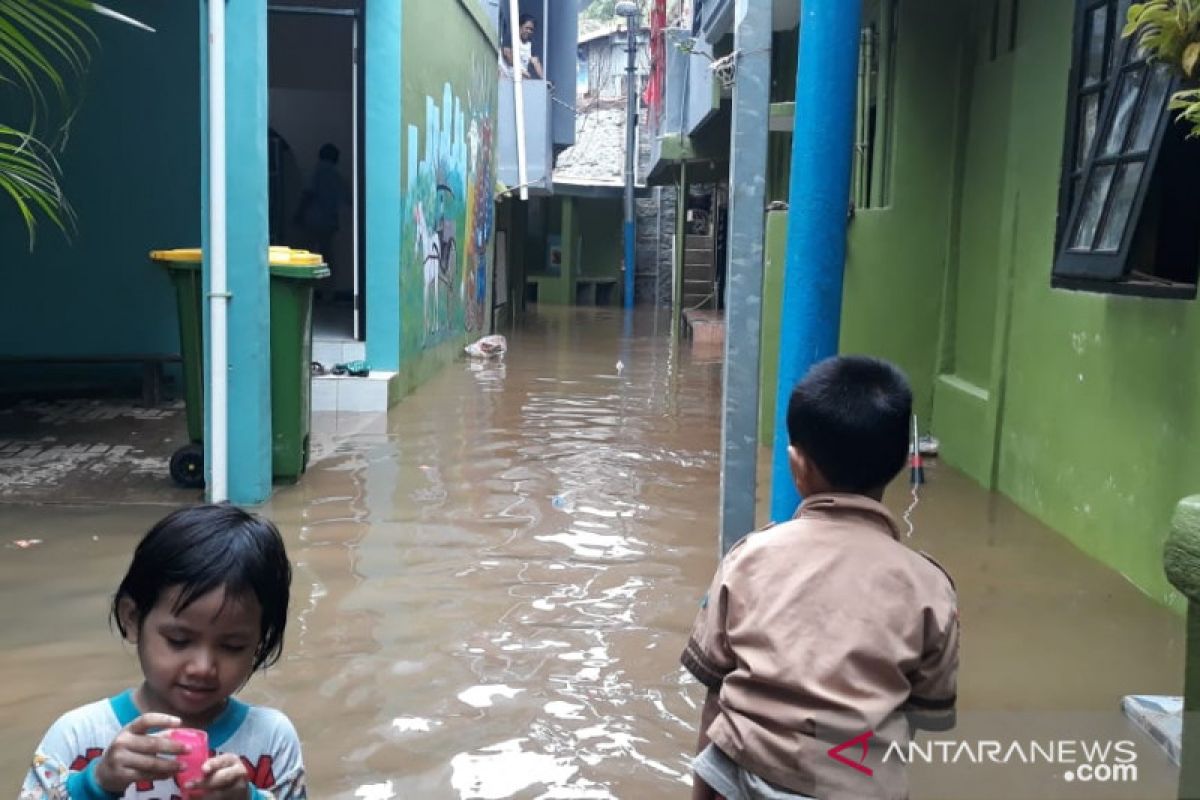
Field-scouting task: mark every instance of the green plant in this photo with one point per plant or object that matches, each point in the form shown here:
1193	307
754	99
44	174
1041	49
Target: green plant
45	48
1170	31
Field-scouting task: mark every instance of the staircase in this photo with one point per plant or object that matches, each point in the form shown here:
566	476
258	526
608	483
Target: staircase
699	272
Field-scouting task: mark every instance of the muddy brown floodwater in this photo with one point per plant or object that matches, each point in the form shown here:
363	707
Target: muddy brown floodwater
494	583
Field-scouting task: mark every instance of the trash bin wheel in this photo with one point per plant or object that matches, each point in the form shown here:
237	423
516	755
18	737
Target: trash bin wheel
187	466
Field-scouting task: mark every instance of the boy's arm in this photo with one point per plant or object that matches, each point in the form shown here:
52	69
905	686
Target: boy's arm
708	655
712	706
700	789
932	702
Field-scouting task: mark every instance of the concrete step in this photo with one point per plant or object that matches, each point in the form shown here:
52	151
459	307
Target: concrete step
704	327
1161	717
376	392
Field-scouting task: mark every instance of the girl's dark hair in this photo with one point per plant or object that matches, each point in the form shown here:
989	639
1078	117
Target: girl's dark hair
209	547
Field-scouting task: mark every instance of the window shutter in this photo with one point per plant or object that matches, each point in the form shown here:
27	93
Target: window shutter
1119	164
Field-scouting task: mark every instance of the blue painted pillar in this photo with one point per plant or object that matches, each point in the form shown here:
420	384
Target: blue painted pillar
822	143
247	199
385	210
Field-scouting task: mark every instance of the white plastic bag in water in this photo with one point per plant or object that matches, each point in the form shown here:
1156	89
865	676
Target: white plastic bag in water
488	347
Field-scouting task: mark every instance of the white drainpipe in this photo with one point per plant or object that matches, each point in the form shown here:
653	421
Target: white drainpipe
218	295
514	25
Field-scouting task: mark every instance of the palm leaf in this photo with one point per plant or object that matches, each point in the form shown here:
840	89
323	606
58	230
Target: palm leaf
43	43
29	175
45	48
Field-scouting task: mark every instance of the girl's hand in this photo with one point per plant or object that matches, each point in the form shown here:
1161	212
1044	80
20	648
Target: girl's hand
135	755
225	778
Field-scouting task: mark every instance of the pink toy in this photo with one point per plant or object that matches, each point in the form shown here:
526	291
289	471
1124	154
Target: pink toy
193	761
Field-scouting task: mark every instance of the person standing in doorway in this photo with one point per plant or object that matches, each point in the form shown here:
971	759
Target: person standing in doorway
531	67
321	203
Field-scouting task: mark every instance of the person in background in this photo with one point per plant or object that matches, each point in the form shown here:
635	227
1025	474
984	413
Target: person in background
317	214
531	67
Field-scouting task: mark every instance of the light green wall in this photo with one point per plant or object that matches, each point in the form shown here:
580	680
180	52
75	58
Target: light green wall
897	255
132	172
774	252
448	130
1081	407
589	230
1101	401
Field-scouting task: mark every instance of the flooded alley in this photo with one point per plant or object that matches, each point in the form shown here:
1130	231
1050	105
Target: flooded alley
493	584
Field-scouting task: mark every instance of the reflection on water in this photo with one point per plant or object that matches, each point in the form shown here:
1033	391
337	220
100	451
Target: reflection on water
492	587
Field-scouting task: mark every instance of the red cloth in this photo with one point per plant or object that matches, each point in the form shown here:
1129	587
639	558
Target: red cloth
653	95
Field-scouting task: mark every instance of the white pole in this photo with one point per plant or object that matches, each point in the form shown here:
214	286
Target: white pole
357	332
218	296
514	26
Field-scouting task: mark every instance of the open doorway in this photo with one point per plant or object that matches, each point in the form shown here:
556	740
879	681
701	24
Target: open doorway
314	150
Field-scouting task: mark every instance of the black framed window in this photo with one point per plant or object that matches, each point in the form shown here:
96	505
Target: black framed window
1119	229
1097	33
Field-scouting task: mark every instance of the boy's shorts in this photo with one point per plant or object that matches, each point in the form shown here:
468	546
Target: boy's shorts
734	782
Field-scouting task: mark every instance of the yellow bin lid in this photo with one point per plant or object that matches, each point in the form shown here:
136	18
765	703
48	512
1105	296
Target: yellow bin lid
276	256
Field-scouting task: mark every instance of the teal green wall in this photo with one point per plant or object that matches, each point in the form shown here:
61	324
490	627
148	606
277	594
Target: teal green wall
599	223
448	108
554	287
1081	407
132	172
383	135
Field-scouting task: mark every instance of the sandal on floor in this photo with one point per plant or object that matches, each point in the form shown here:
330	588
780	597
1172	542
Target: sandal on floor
356	369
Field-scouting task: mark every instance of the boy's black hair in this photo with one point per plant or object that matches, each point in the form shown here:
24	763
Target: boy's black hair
521	20
329	152
209	547
850	416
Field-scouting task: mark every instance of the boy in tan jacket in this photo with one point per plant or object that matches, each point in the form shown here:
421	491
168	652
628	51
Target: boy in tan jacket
823	637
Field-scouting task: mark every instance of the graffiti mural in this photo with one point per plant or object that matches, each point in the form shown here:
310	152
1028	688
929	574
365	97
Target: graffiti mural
449	213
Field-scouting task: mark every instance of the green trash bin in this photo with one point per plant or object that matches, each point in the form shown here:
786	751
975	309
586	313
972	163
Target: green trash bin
292	276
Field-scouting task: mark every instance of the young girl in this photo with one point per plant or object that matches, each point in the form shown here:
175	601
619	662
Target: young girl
205	602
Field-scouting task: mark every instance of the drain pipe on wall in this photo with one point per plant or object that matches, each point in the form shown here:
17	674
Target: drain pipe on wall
514	28
218	293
